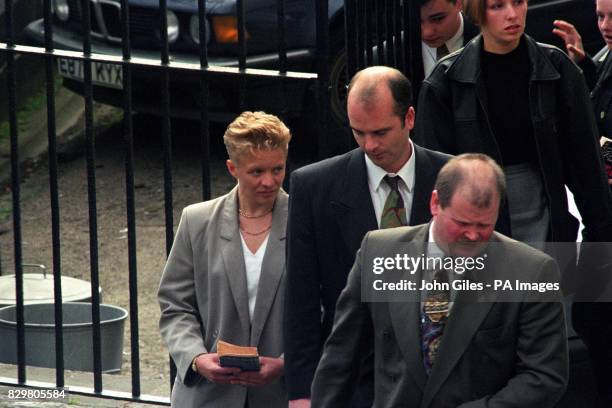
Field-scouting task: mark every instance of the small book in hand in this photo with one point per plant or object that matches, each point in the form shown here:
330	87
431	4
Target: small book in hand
231	355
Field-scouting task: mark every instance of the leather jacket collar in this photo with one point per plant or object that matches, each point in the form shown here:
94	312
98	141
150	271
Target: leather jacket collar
466	66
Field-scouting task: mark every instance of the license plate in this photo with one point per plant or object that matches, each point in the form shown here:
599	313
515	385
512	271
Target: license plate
102	73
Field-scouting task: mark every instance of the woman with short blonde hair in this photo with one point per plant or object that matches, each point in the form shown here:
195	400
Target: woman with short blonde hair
224	278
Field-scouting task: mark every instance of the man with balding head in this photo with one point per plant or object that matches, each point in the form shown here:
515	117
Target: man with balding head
385	182
439	346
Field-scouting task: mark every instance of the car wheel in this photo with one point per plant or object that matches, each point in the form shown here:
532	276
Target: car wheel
338	82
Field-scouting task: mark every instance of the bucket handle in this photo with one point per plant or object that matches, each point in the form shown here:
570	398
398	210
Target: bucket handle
40	266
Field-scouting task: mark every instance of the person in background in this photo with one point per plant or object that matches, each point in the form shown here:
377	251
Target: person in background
224	278
443	30
592	319
333	203
597	70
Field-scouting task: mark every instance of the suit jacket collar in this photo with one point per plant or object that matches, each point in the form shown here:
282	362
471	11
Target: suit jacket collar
424	179
466	66
272	267
352	202
604	71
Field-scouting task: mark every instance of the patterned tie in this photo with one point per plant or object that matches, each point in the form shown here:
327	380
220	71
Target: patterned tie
394	212
441	52
433	319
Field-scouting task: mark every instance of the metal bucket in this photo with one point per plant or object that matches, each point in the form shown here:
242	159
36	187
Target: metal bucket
78	337
39	288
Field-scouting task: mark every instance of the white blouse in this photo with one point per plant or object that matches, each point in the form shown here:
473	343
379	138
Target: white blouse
252	263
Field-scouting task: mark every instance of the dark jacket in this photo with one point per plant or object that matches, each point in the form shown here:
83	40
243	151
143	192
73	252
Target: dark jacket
452	117
598	73
330	211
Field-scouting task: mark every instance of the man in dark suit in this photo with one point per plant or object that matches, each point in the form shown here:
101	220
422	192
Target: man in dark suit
456	351
333	204
444	29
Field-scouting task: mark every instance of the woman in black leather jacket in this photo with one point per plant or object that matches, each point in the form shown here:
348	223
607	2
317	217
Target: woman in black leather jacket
526	105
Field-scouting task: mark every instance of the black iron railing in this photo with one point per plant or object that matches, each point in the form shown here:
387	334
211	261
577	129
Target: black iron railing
376	33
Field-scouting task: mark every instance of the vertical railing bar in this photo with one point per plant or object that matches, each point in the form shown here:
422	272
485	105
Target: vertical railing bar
412	45
240	21
282	54
16	194
397	18
205	138
406	42
241	33
204	128
54	195
203	25
163	31
166	129
360	11
204	121
389	33
350	38
368	33
282	43
380	45
130	202
91	195
323	91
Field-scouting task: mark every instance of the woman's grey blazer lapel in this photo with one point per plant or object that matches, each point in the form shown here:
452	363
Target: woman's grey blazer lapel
233	259
272	268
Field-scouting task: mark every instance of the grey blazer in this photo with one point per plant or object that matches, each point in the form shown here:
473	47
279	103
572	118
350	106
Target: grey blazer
203	298
493	354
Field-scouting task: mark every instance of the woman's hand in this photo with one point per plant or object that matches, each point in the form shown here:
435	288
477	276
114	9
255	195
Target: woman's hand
271	369
208	367
571	37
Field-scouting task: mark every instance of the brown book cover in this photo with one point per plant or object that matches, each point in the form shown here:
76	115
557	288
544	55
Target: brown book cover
231	355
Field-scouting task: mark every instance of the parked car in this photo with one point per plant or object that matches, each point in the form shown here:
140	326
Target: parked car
183	37
229	94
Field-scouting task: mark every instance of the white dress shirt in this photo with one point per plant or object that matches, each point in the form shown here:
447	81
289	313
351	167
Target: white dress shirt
379	189
429	54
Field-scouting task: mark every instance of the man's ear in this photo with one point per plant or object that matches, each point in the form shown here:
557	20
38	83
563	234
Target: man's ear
409	118
231	167
434	203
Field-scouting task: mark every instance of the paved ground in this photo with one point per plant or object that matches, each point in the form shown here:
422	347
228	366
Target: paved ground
12	397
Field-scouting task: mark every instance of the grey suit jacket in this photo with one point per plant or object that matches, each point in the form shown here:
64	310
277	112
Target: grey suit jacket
495	354
203	298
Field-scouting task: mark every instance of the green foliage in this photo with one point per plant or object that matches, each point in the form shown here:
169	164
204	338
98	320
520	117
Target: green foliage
25	111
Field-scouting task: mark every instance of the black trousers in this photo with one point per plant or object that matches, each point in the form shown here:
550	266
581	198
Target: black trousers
593	322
